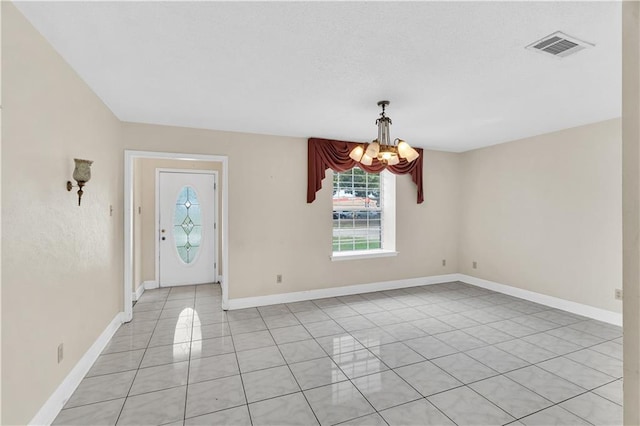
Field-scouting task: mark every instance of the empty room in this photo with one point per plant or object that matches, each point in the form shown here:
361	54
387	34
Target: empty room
320	213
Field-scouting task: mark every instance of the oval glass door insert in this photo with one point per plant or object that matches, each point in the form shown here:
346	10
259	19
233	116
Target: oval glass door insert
187	224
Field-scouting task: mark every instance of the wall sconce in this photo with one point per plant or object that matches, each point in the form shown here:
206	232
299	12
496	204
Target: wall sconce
81	174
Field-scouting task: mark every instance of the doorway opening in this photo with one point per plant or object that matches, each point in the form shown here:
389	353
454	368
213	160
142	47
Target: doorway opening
142	231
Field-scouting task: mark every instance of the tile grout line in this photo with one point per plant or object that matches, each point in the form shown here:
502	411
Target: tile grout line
400	377
386	297
289	368
464	385
186	388
141	359
464	352
412	387
390	369
244	391
329	356
349	379
497	375
523	385
536	331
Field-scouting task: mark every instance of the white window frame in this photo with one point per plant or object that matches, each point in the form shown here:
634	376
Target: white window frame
388	225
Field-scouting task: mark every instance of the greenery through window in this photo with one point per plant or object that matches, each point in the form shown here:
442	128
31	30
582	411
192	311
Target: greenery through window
357	211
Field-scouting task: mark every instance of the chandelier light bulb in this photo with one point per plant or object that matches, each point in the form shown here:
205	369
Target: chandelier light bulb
373	149
405	151
381	148
357	153
393	160
366	160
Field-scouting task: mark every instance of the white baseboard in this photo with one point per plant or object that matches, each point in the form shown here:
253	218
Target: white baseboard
50	410
136	294
554	302
298	296
150	285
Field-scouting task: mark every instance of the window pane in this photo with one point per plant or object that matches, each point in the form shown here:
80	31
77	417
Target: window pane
187	224
357	211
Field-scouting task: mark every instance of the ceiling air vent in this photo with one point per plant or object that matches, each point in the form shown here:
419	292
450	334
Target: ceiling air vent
559	45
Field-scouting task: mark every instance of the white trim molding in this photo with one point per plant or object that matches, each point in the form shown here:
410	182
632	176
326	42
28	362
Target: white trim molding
50	410
554	302
129	157
298	296
150	285
136	294
362	254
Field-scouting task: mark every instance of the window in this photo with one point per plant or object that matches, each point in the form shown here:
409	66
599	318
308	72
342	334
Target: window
363	212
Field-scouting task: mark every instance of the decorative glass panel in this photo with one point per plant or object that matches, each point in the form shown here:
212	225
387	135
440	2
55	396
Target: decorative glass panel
187	224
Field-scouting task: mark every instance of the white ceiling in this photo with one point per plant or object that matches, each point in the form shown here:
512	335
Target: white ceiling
457	74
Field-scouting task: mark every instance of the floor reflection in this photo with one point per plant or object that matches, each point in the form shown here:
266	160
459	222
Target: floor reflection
193	332
356	361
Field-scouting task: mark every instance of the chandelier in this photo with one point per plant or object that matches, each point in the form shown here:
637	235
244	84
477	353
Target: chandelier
381	148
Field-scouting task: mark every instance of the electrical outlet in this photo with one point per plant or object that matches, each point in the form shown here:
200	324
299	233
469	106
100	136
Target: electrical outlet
444	262
60	352
475	265
618	294
279	279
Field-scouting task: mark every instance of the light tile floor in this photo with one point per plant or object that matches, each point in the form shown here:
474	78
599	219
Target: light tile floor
438	354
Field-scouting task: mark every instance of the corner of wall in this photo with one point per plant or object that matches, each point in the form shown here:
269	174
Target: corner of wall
536	211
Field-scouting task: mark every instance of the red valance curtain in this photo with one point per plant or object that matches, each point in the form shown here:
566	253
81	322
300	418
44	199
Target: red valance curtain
326	154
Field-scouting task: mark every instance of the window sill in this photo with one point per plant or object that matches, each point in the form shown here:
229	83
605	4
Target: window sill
362	254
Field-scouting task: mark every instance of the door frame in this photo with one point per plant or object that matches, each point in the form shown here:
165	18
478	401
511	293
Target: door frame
129	158
157	215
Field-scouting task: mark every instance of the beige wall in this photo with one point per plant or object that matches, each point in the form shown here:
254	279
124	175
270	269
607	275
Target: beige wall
272	230
631	207
0	216
544	214
145	176
62	264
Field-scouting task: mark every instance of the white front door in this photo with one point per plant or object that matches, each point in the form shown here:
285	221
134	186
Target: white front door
186	228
